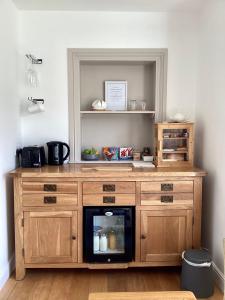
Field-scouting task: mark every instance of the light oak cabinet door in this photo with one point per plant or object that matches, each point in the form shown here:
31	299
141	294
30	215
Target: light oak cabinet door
165	234
50	237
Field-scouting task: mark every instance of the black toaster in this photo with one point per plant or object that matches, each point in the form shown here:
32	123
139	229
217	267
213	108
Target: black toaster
31	157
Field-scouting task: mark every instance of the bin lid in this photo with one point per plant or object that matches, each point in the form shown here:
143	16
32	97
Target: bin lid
197	256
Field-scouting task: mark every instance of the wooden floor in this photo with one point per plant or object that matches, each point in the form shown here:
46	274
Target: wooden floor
77	284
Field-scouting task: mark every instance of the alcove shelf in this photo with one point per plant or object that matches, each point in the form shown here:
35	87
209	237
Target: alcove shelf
101	161
150	112
145	71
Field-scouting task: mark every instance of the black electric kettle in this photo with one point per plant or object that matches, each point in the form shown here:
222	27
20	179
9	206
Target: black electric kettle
55	153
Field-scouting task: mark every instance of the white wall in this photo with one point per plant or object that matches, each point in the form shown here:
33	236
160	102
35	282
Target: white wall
210	118
9	130
49	34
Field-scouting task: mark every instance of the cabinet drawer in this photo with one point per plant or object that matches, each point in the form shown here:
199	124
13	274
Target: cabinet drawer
167	199
107	200
49	187
165	187
109	187
49	199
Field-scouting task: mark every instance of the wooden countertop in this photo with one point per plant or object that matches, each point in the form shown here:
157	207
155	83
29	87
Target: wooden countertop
106	170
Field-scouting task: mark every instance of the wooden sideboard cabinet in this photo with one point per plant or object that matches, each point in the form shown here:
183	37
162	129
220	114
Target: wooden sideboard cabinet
49	213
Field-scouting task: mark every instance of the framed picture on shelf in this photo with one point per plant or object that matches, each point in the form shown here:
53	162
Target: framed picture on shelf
116	94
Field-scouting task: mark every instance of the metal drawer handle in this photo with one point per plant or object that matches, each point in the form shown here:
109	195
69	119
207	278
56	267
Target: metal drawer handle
166	187
50	187
143	237
73	237
107	199
167	199
49	200
109	188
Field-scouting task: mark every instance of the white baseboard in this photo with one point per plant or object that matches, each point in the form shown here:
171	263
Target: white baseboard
218	277
6	271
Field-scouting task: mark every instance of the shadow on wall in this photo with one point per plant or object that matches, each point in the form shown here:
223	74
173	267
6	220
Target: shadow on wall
208	187
199	142
10	219
208	211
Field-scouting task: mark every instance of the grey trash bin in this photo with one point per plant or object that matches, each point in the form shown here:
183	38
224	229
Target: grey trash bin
196	275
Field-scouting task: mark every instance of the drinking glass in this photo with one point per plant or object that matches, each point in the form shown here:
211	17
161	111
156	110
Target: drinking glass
32	77
132	105
142	105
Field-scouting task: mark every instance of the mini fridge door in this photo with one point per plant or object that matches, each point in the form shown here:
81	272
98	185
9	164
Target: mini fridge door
108	234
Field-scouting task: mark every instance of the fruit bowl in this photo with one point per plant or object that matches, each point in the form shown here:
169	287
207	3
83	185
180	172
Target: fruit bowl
90	154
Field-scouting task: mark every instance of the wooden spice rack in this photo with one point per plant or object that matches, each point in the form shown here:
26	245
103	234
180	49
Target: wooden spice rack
174	144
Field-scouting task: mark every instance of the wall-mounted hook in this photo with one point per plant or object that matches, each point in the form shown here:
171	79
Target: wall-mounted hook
34	60
36	105
36	101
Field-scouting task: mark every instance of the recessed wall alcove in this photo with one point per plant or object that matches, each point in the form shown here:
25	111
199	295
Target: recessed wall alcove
145	71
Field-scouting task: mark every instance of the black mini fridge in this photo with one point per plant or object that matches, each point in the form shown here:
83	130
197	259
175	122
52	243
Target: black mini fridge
108	234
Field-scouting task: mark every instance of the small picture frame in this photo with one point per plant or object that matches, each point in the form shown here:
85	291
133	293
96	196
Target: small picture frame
111	153
126	153
116	94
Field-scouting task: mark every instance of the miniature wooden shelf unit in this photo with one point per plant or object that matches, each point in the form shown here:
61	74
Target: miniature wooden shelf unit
49	234
174	144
